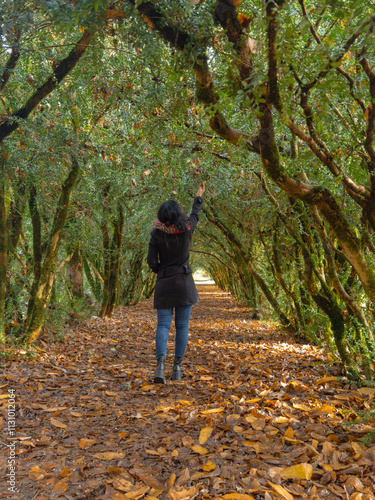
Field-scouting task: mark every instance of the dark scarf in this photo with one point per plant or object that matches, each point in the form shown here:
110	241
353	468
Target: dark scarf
167	229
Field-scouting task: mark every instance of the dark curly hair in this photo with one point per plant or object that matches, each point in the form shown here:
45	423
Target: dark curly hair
170	213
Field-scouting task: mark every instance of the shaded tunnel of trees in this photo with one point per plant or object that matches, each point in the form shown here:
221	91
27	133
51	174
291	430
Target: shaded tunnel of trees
109	108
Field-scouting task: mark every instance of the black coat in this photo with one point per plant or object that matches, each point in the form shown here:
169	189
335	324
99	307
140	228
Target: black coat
168	256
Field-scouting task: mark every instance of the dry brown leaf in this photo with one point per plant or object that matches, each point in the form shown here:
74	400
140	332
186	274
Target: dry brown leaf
367	391
57	423
183	494
122	484
108	455
137	493
86	443
37	474
60	488
147	478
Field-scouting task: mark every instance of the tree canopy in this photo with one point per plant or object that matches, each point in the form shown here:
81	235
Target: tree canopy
108	108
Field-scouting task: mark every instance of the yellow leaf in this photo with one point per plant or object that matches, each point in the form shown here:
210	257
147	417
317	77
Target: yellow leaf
250	419
327	409
205	434
65	472
174	453
138	493
199	449
281	420
57	423
4	396
299	471
302	407
356	496
324	380
184	402
148	388
209	466
212	410
237	496
172	479
280	490
289	433
108	455
86	443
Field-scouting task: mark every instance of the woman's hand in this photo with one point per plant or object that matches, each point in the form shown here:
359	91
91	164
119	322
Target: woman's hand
201	188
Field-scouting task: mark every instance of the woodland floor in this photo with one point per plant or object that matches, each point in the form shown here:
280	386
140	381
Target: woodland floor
256	416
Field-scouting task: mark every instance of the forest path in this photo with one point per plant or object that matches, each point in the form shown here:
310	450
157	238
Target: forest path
256	415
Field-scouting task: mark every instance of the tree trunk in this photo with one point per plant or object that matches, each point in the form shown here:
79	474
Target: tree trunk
112	255
74	273
3	259
44	270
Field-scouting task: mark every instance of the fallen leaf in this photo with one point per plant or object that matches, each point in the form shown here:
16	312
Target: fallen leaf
199	449
209	466
60	488
300	406
204	434
57	423
212	410
36	474
86	443
280	490
237	496
299	471
108	455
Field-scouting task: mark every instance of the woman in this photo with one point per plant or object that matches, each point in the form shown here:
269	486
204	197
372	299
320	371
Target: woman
168	257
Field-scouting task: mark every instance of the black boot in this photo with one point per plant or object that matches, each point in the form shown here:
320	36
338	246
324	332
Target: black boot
176	374
159	373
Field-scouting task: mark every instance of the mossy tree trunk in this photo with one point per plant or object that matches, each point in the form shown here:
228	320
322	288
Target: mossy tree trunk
45	263
74	273
112	256
3	259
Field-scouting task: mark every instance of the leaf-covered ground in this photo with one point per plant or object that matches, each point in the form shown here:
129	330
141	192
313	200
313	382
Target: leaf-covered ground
256	416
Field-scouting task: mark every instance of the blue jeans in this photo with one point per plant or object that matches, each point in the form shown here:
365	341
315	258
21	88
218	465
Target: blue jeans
181	321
